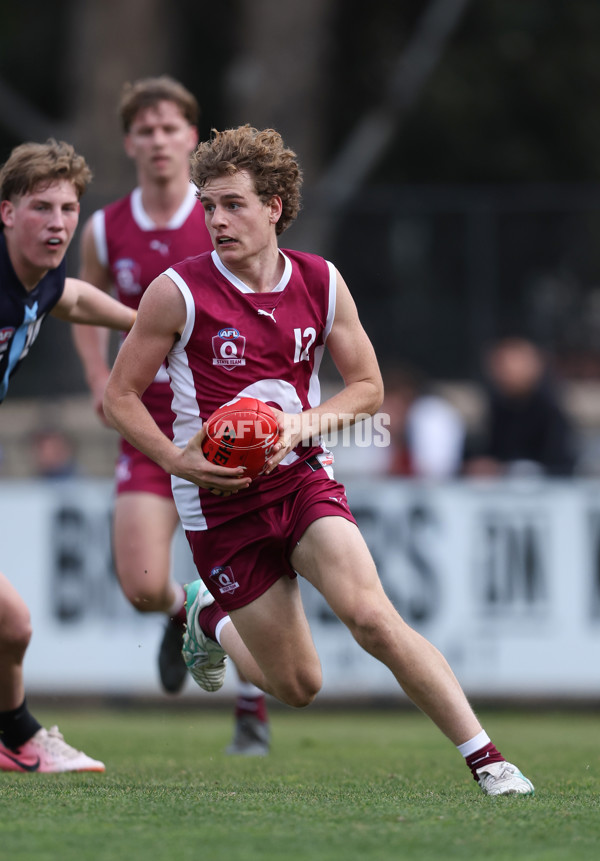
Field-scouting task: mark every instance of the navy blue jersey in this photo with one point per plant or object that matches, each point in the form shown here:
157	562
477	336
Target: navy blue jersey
22	313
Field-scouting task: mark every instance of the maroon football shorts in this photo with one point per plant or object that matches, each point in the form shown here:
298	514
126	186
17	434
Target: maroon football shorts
136	473
241	558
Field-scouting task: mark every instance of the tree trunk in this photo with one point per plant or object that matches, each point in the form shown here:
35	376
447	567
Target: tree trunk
112	42
278	79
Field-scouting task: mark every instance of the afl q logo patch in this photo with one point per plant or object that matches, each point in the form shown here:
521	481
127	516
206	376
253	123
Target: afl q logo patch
127	276
228	348
224	578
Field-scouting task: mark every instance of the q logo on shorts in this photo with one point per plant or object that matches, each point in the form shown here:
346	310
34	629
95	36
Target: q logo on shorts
224	578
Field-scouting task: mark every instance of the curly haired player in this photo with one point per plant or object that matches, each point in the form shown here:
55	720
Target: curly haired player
279	310
125	246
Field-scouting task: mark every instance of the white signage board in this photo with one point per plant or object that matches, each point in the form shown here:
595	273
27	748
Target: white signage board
503	578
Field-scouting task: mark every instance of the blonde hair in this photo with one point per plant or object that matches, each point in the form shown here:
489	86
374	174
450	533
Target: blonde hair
273	167
36	164
148	92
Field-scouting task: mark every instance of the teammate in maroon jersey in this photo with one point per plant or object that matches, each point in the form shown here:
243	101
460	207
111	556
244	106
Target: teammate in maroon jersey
124	247
251	319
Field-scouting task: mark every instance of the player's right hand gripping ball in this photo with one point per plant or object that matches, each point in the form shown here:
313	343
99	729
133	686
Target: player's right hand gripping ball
241	433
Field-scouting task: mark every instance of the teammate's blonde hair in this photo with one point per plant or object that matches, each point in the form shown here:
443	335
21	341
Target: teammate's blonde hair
31	165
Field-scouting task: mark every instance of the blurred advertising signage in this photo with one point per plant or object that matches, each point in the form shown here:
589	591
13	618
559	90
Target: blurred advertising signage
503	578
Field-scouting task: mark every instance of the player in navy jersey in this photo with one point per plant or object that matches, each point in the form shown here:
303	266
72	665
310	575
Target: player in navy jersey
40	188
125	246
252	320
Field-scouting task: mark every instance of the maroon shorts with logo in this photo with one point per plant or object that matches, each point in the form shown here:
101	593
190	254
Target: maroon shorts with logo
240	559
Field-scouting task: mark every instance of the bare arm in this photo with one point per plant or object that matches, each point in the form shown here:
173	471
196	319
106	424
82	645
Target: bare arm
91	342
354	357
161	318
83	303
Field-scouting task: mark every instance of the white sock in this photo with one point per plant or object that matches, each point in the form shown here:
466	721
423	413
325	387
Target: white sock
179	600
476	743
248	691
219	627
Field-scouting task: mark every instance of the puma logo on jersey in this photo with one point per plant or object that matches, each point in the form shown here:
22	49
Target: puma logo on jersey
161	247
270	314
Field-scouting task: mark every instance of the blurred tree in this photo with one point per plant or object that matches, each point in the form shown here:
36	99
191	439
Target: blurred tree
279	74
378	124
103	43
31	104
110	42
508	95
515	100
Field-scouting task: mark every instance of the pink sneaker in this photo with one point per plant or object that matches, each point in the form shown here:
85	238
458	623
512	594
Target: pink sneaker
47	752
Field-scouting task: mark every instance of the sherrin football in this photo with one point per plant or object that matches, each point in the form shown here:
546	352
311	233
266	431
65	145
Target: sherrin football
241	433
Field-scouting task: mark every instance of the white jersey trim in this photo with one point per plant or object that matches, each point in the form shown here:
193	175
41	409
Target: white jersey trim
185	210
243	288
185	406
99	232
190	312
332	299
143	220
314	386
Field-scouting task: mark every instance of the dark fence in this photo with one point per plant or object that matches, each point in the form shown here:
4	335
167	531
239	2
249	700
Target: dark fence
439	271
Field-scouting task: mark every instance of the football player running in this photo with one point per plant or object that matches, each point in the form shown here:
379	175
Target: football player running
250	545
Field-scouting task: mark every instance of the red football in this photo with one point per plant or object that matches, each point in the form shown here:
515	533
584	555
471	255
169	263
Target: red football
241	433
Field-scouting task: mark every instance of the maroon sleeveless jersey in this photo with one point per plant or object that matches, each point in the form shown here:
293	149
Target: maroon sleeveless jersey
136	252
240	343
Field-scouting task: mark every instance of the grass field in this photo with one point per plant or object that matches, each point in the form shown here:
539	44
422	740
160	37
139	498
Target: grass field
338	786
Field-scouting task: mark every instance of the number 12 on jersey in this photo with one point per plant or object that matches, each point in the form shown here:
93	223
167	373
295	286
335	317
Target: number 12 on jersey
301	353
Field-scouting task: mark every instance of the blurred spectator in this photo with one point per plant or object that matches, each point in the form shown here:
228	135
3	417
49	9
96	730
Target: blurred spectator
427	431
528	431
53	454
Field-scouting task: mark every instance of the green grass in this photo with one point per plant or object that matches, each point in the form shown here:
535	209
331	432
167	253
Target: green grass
338	786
